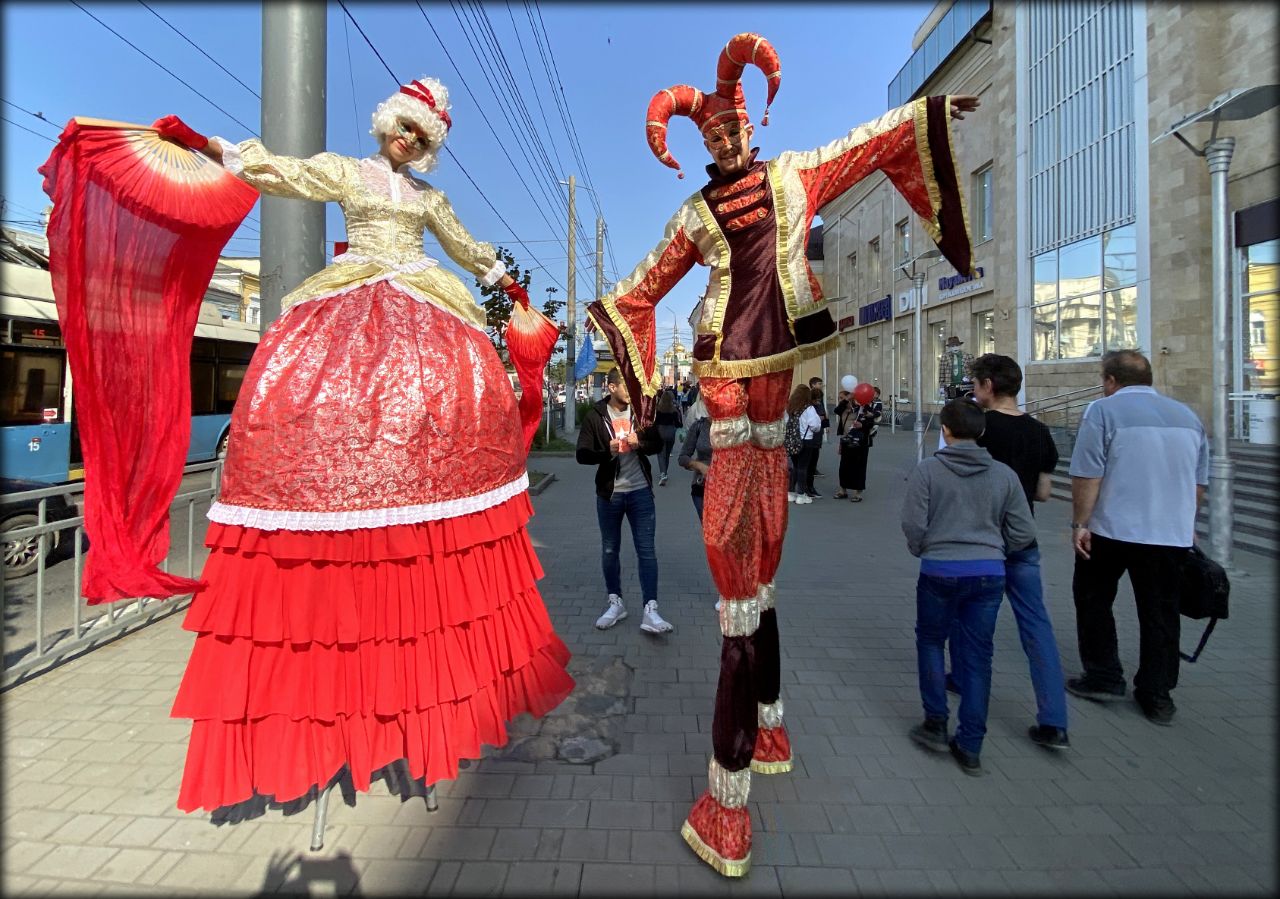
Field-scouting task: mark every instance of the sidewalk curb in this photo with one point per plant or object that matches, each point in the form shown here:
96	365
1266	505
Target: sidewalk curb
542	485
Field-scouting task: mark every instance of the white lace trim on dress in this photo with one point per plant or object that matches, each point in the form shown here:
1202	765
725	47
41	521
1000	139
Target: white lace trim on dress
404	268
493	275
231	159
297	520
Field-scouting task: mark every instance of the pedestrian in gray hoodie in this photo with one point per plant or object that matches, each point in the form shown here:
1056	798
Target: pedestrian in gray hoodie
962	514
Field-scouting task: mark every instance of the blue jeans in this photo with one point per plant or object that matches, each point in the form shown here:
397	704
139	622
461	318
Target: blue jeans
637	507
697	504
1023	586
969	605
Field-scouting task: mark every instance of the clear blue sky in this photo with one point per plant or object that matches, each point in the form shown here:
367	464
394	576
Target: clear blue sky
837	61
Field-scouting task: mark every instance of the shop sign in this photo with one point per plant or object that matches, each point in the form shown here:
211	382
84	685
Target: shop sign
847	322
958	285
880	310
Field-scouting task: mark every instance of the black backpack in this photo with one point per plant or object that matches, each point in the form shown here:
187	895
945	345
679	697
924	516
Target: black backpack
791	441
1204	591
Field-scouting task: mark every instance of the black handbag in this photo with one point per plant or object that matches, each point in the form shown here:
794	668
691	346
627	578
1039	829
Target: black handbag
1204	592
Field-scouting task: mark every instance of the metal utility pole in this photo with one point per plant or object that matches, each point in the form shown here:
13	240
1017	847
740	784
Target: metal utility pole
1231	106
294	35
1221	468
571	313
916	274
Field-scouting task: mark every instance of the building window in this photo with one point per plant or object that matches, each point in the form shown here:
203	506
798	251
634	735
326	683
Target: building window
1085	298
902	233
984	333
873	266
1082	138
1261	302
982	211
855	287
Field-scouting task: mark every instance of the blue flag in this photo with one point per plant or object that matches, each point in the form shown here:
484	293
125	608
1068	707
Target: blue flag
585	364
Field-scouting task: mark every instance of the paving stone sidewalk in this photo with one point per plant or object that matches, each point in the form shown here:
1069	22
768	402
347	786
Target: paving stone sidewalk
92	761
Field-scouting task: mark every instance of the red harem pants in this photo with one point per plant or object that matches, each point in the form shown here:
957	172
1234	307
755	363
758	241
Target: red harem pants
744	521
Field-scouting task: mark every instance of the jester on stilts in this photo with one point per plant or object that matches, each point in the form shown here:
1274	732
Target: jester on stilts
763	313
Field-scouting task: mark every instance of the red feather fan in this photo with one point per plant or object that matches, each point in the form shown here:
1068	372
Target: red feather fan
137	226
531	338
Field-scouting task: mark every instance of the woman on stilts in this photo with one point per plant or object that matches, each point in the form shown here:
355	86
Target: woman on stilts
370	602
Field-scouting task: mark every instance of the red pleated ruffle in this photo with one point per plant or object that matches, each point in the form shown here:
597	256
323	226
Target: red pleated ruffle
359	648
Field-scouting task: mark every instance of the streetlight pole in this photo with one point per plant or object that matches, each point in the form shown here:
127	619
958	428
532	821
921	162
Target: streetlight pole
1233	105
917	379
571	312
1221	468
909	268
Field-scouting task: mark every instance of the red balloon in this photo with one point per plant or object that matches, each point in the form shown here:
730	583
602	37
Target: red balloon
864	394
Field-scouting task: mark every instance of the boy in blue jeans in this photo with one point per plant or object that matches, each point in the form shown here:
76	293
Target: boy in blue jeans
962	514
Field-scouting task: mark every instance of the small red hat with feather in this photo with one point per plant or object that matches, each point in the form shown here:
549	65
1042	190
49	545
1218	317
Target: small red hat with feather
728	102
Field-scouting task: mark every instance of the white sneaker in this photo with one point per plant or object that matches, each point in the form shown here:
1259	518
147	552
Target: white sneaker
662	482
792	497
614	613
803	500
653	623
719	603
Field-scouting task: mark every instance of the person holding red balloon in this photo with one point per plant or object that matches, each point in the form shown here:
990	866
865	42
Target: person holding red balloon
856	419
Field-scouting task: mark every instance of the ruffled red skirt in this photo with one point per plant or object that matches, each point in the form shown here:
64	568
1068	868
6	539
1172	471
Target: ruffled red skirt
362	648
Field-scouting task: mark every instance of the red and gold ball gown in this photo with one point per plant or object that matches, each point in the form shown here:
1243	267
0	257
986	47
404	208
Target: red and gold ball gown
371	595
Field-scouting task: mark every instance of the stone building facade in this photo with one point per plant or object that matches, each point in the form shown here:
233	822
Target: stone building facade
1089	237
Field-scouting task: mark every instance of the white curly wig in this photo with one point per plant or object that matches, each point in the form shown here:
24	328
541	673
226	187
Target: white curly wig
403	106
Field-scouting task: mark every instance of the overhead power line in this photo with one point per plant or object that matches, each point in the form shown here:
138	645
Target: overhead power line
452	156
201	50
51	140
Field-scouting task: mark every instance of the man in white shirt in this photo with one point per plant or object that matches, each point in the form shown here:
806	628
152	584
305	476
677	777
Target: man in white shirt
1138	474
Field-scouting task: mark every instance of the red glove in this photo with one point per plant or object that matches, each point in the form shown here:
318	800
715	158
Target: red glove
173	128
517	293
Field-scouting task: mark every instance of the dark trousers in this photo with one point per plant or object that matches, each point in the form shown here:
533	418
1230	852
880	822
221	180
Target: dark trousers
668	435
801	469
1153	572
853	467
637	507
815	450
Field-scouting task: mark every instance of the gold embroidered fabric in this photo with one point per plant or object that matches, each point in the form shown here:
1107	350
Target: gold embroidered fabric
770	714
768	434
726	432
387	213
768	593
739	617
730	788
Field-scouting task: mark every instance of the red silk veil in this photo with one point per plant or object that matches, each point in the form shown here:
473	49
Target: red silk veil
134	237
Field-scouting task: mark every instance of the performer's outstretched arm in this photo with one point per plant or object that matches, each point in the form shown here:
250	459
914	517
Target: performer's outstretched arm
912	146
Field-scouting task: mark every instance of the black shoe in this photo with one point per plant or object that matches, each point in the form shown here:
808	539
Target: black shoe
1087	689
1049	737
931	735
952	686
1158	711
813	494
967	761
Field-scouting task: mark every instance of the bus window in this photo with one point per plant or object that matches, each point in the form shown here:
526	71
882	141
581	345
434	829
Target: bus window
30	383
230	377
202	396
29	333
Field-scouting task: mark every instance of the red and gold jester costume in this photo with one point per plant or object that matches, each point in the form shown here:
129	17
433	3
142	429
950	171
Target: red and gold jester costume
763	313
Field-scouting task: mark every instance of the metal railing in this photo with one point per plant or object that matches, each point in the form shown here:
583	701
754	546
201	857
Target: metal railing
117	618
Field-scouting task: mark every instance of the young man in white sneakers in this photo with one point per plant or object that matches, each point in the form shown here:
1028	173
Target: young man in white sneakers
624	489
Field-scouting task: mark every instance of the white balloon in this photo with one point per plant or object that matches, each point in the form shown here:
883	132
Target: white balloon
848	382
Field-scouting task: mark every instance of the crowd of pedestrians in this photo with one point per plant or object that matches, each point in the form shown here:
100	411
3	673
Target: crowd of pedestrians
1139	468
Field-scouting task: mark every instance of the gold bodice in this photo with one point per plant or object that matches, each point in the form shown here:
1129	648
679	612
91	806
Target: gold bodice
387	212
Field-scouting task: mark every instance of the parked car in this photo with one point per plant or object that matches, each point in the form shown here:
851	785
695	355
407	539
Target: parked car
21	555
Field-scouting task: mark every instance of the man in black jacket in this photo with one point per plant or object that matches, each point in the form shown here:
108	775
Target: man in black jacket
624	489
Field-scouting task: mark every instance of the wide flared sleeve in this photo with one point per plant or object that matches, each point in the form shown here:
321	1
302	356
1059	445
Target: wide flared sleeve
626	316
912	145
475	256
322	177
